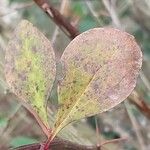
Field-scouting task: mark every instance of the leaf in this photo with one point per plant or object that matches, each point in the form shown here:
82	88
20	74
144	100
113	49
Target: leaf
30	67
100	71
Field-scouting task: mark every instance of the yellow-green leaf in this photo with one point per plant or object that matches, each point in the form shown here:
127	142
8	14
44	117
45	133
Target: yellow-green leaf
30	67
100	71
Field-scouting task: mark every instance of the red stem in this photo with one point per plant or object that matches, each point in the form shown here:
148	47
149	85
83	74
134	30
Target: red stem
58	18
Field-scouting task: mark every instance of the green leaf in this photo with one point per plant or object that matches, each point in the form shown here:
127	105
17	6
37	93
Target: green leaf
100	71
30	67
21	140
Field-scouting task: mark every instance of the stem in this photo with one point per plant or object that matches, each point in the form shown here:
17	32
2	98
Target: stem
60	144
47	144
59	19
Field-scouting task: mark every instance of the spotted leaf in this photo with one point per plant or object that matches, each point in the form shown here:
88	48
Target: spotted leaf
100	68
30	67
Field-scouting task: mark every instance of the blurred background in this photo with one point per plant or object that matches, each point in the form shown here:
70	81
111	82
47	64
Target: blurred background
130	120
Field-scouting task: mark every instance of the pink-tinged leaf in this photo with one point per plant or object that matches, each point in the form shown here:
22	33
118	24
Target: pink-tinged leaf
30	67
100	71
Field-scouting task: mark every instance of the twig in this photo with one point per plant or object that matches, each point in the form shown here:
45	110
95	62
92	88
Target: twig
113	141
56	31
59	19
140	103
61	144
58	144
135	125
